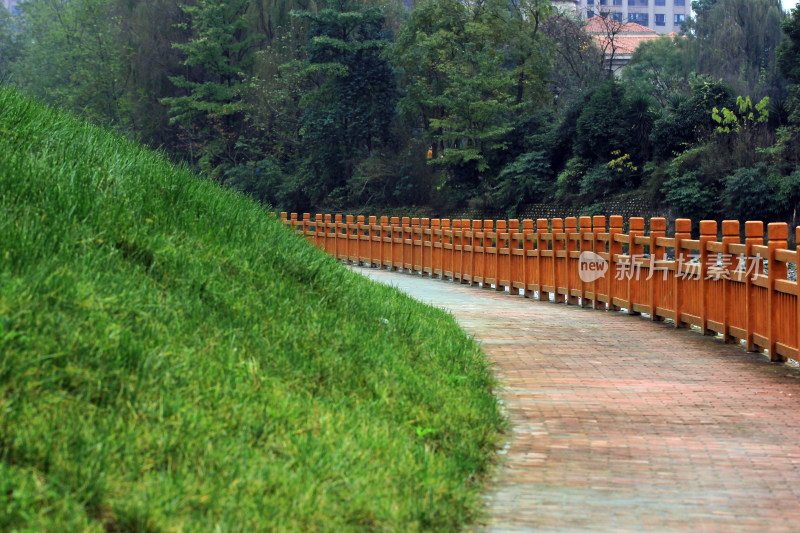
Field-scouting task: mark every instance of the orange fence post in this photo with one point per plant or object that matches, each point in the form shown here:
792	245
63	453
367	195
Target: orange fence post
407	257
778	234
415	254
558	252
360	239
437	250
599	248
516	260
396	239
502	253
382	243
440	228
447	249
306	225
708	234
374	248
475	242
636	254
319	231
730	235
658	230
458	253
424	234
486	244
352	238
528	266
330	245
754	236
586	241
541	245
616	267
571	256
337	245
683	231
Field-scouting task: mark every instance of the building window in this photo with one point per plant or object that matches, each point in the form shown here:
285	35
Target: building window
616	17
603	2
643	2
661	2
638	18
679	3
589	14
679	19
660	19
617	2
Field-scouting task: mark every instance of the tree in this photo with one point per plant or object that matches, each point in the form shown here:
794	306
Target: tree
661	67
603	126
10	42
470	69
788	59
72	56
690	121
348	114
736	42
577	61
218	53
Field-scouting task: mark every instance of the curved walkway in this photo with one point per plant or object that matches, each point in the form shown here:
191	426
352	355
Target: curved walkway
622	424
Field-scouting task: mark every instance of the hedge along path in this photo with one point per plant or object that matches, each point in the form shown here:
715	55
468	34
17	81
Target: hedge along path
739	290
619	424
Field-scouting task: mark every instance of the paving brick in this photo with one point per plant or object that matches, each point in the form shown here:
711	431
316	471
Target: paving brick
622	424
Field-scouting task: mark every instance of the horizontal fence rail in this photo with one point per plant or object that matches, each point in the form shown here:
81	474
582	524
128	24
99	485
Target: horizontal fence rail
717	283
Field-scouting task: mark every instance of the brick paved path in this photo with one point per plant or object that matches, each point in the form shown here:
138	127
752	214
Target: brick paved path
622	424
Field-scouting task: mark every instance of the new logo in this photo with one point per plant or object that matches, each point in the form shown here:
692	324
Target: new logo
591	267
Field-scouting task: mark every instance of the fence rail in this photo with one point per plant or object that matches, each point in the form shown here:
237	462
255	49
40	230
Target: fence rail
719	284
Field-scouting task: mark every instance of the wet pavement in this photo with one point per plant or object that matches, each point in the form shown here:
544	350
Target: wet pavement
623	424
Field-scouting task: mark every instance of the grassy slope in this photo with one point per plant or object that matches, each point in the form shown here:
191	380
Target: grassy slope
171	359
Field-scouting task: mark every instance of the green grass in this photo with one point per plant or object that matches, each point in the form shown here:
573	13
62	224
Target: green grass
173	359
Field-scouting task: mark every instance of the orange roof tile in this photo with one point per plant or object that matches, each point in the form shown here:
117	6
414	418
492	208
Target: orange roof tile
626	35
597	25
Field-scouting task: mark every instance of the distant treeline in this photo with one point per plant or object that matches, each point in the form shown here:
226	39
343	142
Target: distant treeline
487	106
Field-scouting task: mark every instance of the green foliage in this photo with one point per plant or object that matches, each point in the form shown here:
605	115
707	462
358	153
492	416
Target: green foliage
72	56
661	67
468	69
788	59
603	125
10	42
527	179
735	41
171	357
688	196
690	121
568	182
219	50
577	62
748	116
348	116
753	194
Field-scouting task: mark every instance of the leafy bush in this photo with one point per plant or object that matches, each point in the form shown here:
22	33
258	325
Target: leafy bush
752	194
527	179
687	195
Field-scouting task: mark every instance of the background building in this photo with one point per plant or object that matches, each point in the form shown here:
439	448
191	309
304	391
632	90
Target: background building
11	5
663	16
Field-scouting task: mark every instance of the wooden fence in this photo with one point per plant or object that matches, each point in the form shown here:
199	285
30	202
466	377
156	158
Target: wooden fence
717	283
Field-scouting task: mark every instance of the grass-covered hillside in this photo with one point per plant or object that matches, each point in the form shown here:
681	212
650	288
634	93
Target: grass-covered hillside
172	359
